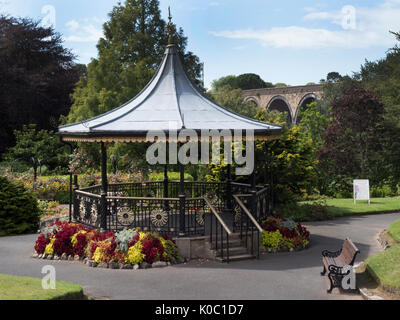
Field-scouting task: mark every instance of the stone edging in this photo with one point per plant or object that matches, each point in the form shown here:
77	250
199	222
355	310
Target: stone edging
263	250
109	265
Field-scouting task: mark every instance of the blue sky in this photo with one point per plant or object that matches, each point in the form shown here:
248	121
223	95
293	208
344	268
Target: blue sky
294	42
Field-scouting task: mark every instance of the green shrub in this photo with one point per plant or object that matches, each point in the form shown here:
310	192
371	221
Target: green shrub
19	211
62	197
171	176
316	211
382	192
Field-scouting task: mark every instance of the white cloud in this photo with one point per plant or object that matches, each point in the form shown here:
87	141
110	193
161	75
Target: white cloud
240	48
214	4
371	29
73	25
83	33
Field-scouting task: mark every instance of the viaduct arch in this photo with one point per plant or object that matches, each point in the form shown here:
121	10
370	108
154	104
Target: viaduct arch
287	99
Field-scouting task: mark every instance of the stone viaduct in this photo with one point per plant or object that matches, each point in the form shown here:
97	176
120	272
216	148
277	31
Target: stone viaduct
287	99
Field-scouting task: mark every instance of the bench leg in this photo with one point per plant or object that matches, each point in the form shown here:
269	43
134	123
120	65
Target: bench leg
323	272
331	281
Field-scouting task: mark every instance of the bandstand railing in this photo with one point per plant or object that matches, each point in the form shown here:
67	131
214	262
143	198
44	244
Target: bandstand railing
143	205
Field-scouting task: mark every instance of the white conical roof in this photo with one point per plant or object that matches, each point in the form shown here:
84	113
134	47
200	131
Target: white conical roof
169	101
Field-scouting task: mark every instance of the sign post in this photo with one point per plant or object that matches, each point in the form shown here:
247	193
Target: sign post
361	190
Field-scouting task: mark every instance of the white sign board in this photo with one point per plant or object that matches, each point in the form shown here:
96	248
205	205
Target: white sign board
361	190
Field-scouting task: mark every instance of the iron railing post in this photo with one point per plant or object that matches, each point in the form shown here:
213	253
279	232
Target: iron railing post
229	189
104	189
182	201
75	188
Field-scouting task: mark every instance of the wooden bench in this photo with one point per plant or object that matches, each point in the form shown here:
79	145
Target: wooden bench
335	261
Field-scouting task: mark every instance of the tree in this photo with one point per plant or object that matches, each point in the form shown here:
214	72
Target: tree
383	78
37	77
313	125
128	55
289	163
232	99
280	85
249	81
352	141
37	147
333	77
246	81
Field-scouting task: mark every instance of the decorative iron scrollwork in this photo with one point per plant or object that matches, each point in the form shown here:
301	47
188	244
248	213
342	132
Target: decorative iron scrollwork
159	218
94	213
200	214
125	216
82	209
237	214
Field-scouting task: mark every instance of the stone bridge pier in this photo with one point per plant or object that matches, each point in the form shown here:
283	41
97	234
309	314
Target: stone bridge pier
287	99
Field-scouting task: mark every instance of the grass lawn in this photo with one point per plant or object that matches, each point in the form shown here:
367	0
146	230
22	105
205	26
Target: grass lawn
386	266
394	230
343	207
22	288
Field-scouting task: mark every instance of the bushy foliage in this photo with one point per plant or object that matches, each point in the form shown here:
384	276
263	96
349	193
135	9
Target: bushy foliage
172	176
352	141
315	211
128	55
130	246
123	238
38	76
32	146
245	81
19	211
281	233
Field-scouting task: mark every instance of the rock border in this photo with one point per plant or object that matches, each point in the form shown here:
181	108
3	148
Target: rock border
108	265
263	250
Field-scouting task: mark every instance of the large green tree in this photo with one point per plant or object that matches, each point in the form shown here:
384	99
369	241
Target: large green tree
38	147
37	76
130	51
244	81
353	140
383	78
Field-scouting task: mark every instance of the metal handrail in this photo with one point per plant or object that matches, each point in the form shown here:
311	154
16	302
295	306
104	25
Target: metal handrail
87	194
216	214
262	190
143	198
254	221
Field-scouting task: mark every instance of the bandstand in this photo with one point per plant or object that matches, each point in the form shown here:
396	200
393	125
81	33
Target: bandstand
177	208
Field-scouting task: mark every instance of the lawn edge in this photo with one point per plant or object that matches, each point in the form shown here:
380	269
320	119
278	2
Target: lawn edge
385	235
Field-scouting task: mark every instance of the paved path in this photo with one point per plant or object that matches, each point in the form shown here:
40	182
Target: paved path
280	276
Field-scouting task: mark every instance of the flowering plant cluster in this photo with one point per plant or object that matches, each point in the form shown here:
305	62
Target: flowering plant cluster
128	246
80	162
284	234
45	187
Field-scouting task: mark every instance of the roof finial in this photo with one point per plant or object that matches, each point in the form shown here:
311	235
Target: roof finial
171	28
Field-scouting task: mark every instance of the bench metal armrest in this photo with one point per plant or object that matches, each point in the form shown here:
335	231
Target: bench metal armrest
337	270
330	254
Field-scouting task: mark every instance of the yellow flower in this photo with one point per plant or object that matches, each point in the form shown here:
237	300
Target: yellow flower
74	239
49	248
135	255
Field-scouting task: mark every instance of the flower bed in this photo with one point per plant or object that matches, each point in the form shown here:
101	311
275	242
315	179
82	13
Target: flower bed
123	250
282	235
